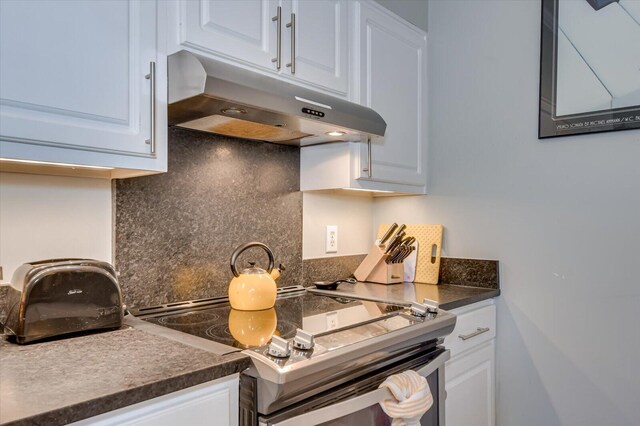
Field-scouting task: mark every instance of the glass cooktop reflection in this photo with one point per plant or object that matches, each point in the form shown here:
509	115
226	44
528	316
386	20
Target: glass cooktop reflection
295	308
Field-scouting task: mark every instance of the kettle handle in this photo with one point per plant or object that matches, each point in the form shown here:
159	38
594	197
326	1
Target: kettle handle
238	251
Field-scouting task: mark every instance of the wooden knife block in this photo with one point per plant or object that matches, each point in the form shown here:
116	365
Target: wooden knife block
429	239
375	269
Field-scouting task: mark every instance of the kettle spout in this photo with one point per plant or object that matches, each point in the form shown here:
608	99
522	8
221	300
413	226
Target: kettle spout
276	272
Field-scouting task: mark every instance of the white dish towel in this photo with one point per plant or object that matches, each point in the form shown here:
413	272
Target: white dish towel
411	398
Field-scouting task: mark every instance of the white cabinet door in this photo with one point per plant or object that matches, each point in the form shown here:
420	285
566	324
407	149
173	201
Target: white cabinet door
72	81
393	80
321	43
476	324
247	32
242	30
209	404
470	387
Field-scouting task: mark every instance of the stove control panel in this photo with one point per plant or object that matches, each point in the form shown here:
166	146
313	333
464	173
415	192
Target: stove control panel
303	340
279	347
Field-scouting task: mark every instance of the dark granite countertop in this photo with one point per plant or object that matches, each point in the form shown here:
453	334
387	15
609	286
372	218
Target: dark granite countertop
66	380
449	296
462	281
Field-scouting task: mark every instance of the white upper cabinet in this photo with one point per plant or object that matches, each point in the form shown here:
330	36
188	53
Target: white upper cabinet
305	42
389	75
242	30
76	84
393	66
321	43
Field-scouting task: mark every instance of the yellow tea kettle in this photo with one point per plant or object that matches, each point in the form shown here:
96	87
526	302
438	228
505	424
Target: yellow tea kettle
253	289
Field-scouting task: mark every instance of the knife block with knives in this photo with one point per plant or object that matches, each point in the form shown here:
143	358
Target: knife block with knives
384	263
427	260
375	269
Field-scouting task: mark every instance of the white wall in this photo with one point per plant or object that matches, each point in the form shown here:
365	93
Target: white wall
45	217
414	11
353	215
561	215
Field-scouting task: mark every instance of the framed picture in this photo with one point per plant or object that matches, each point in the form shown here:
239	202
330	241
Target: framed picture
589	67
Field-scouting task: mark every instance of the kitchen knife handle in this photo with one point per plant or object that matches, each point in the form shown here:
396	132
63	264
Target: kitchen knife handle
278	20
388	234
391	244
292	25
408	241
152	80
395	241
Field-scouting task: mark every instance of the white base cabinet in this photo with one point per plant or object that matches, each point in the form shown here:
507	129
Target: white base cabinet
76	84
209	404
470	388
470	373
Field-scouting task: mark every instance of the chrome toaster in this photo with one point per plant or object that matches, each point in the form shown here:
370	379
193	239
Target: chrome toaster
54	297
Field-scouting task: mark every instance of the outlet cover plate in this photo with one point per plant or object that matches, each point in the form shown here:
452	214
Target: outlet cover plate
332	239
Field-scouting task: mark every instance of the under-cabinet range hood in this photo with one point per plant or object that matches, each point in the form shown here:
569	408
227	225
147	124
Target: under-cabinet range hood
212	96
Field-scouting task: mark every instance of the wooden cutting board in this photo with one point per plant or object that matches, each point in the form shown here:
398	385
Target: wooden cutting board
428	262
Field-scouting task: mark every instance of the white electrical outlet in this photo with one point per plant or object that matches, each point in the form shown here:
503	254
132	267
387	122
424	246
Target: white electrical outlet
332	239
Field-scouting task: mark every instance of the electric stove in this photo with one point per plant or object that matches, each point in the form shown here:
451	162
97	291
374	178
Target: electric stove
310	343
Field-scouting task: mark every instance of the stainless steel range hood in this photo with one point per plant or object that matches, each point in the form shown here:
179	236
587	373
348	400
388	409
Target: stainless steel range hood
212	96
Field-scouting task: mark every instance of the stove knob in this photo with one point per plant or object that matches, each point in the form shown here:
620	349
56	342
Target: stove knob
432	305
279	347
303	340
418	309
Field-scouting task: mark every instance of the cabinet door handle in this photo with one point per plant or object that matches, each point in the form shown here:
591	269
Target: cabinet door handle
478	332
278	20
292	25
152	80
368	168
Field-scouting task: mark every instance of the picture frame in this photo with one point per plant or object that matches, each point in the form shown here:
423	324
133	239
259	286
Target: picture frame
589	67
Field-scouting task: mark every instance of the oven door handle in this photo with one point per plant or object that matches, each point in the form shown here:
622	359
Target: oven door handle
352	405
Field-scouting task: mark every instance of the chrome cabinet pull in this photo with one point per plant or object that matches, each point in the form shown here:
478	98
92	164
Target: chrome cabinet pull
478	332
292	25
278	20
152	79
368	168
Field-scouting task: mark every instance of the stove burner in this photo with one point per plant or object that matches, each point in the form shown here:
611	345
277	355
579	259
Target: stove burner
189	319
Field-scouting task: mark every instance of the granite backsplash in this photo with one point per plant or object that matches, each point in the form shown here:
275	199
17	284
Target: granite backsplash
470	272
174	232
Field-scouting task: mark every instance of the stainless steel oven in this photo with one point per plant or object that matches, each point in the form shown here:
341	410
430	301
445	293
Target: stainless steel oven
358	403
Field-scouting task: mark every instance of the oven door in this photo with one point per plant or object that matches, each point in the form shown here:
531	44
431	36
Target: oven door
340	408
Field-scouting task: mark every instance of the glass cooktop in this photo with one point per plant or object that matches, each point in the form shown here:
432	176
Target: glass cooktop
319	314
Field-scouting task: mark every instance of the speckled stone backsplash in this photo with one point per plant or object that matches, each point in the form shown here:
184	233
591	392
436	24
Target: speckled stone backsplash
175	232
330	268
470	272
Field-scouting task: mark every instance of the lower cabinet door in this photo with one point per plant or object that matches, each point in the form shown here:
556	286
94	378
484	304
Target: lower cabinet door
470	386
211	404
